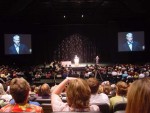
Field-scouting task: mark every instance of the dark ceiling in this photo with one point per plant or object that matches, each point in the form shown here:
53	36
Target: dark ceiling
53	11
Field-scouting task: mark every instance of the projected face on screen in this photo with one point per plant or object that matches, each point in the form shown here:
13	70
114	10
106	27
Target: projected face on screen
131	41
17	44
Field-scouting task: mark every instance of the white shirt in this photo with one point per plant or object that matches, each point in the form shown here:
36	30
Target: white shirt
99	98
17	48
130	45
58	105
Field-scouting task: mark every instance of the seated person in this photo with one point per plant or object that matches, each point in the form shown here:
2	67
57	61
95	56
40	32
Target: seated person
45	91
44	95
121	91
95	97
138	96
5	98
19	89
78	96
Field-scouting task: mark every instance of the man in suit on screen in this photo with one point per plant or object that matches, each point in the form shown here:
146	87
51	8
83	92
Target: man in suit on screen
130	44
17	47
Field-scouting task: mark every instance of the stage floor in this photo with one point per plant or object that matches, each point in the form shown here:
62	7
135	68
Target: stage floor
81	65
89	64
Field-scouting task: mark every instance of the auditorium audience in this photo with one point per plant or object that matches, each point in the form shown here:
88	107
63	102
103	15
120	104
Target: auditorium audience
96	98
78	96
109	74
138	96
19	89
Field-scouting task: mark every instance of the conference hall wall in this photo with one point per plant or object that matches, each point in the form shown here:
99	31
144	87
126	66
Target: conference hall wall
49	43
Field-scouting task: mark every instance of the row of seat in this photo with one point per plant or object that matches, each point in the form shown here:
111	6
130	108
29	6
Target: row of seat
104	107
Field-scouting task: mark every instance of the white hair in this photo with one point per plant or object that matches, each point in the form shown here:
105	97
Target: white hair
16	37
129	35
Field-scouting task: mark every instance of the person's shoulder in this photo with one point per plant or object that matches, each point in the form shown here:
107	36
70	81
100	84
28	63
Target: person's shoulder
125	43
94	108
103	94
113	98
23	45
6	107
35	106
135	42
12	46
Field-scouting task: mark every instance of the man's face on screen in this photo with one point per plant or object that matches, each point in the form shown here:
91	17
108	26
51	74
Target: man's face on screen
16	40
129	37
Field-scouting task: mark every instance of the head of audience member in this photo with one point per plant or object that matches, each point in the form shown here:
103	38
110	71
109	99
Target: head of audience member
33	88
138	96
38	90
105	83
45	90
121	88
78	94
93	84
107	89
113	90
19	89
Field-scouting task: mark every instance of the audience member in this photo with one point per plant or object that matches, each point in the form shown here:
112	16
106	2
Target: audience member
138	96
4	96
45	91
78	96
19	89
121	91
95	97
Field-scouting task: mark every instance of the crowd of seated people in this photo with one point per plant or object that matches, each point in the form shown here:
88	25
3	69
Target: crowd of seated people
94	92
110	83
111	73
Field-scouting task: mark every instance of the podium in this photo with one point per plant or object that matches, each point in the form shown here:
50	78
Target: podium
66	63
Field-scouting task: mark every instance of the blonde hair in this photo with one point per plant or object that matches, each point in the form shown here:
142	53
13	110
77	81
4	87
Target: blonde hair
121	88
78	94
93	84
45	90
138	96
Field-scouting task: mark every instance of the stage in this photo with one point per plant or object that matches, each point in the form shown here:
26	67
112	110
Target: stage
89	64
78	64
